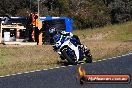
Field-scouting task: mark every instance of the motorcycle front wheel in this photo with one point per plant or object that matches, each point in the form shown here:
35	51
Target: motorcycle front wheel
70	58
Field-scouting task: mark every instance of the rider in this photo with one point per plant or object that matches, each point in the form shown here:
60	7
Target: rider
63	33
54	32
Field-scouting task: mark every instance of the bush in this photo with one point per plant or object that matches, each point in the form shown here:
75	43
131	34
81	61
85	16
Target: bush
120	11
91	14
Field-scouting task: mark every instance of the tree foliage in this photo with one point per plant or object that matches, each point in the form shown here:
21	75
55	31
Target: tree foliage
11	7
120	11
86	13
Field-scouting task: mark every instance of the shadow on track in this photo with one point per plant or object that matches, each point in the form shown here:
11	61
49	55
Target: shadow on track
63	63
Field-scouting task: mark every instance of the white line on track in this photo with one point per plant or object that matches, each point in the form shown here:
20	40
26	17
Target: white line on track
19	73
94	61
99	60
64	66
32	71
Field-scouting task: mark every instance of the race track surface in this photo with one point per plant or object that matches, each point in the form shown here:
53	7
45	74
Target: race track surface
65	77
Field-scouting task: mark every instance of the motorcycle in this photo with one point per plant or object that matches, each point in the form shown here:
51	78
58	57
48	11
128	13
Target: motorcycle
69	48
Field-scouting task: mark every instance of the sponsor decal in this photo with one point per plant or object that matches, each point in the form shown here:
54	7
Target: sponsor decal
82	77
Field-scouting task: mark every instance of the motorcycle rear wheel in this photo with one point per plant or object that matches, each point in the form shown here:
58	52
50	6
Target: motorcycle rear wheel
88	57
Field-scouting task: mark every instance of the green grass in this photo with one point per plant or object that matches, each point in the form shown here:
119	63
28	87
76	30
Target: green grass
109	41
106	42
15	59
120	32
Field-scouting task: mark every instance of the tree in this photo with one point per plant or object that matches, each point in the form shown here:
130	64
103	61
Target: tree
90	13
11	7
120	11
85	13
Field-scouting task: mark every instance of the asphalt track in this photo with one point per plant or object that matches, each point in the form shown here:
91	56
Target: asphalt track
66	77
